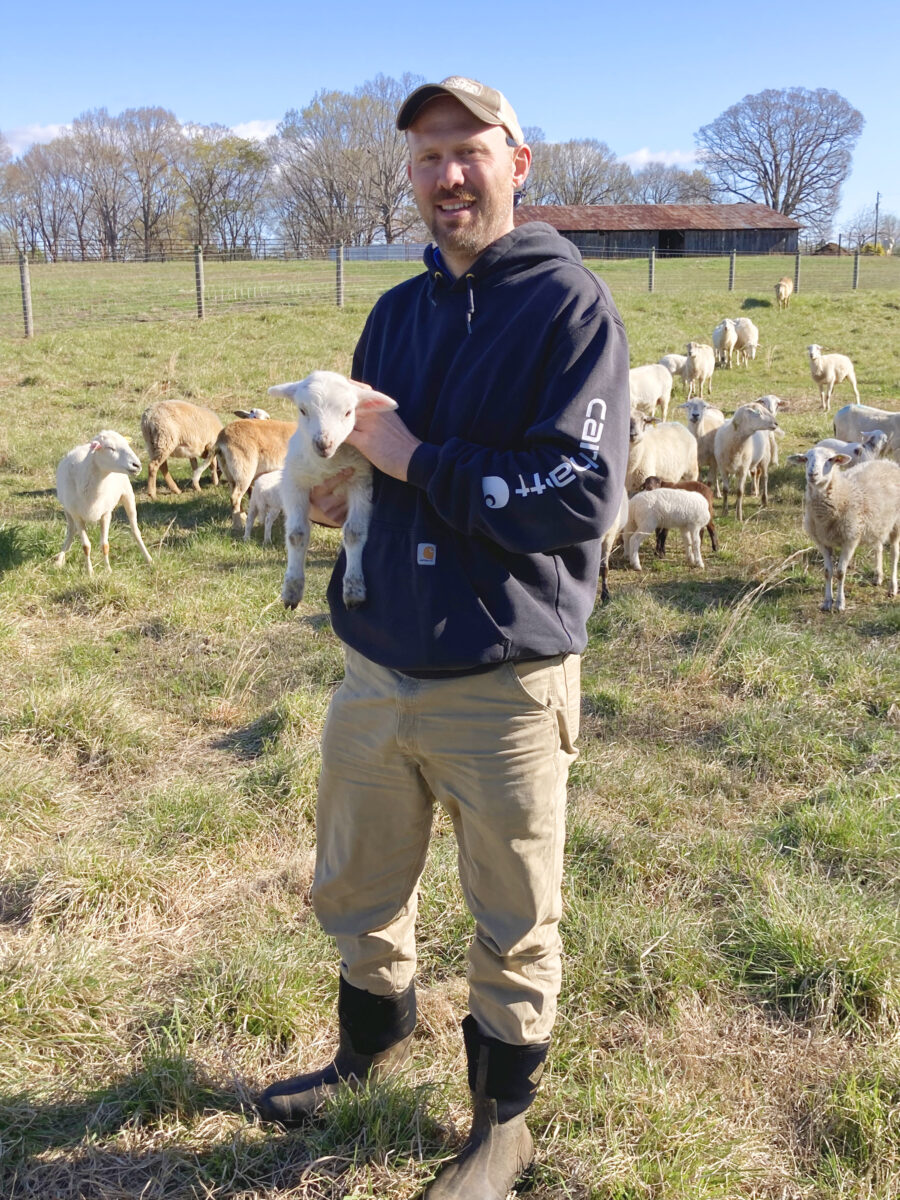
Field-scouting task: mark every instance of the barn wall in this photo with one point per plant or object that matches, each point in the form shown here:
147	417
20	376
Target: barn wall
696	241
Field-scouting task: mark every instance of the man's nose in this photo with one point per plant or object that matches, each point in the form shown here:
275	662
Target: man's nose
451	174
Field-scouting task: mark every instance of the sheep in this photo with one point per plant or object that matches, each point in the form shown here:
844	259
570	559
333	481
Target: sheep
828	370
747	340
666	508
608	541
177	429
650	388
674	364
741	445
665	449
703	421
248	448
701	362
724	340
853	420
652	482
327	408
846	508
92	480
252	414
772	403
265	504
874	444
784	289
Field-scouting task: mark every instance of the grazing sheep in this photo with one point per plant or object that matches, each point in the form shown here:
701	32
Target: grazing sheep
178	429
741	446
91	481
665	508
724	341
784	289
846	508
608	541
650	388
874	444
674	364
828	370
247	449
701	362
265	504
327	408
703	421
747	340
664	449
853	420
652	482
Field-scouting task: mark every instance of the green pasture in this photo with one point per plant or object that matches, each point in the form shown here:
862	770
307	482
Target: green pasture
730	1017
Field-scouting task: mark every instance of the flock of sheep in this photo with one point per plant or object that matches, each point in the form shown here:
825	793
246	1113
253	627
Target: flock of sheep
852	487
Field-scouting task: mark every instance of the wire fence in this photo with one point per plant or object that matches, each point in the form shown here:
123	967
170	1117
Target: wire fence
40	297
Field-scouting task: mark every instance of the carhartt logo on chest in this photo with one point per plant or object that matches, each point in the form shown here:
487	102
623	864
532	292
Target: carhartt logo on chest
426	554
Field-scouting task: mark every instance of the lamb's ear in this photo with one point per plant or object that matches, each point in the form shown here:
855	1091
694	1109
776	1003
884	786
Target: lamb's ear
241	412
797	458
287	390
95	445
371	401
841	459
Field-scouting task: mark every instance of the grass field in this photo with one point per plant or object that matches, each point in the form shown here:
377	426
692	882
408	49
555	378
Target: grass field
730	1018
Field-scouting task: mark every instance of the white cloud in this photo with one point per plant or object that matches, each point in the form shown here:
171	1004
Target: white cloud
258	130
27	135
672	158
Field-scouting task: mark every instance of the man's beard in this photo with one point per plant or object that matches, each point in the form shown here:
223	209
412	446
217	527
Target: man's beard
471	239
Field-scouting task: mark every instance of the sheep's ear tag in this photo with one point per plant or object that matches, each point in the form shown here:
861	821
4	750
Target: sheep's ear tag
95	445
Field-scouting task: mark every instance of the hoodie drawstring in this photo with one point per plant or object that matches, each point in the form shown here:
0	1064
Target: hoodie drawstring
470	302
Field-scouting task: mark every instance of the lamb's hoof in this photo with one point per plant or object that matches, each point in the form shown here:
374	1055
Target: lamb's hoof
292	593
354	594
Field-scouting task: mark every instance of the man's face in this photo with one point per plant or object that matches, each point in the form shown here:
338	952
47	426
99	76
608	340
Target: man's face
463	176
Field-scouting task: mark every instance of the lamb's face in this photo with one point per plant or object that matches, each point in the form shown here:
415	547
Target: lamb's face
695	410
114	454
327	411
875	443
636	428
813	352
820	462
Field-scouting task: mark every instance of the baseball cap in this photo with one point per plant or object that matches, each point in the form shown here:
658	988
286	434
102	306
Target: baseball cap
484	102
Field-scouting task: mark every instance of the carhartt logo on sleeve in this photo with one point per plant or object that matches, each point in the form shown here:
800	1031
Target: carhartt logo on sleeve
426	554
495	491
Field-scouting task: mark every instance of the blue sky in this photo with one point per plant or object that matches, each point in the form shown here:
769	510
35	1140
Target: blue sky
643	77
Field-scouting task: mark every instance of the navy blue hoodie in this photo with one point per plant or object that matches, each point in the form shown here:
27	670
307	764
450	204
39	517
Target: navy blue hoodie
515	378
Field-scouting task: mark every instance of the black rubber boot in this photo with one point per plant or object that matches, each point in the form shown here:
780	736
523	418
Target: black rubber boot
375	1036
503	1080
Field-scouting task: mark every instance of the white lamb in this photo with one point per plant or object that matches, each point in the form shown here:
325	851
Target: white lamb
265	505
665	449
724	341
846	508
674	364
701	362
327	407
178	429
742	445
747	340
853	420
666	508
874	444
247	449
703	421
828	370
91	481
650	388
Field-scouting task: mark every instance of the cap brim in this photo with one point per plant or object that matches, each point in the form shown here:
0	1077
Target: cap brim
416	100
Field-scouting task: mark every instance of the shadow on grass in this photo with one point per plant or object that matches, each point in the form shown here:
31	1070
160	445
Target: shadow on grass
698	595
753	302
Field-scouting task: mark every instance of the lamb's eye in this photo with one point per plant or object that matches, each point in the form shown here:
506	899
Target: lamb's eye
302	411
347	413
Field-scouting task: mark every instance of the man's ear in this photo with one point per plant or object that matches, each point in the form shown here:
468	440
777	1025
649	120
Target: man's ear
521	164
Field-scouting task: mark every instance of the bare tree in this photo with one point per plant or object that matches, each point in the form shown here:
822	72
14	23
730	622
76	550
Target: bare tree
44	187
98	138
790	148
389	194
577	172
659	183
237	206
150	138
860	229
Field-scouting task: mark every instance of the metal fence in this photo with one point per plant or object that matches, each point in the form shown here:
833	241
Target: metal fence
41	297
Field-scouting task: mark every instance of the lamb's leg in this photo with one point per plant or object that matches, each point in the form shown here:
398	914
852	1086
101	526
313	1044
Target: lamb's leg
354	536
237	517
764	488
725	481
152	468
296	540
739	499
895	559
104	537
167	476
846	557
70	535
251	517
828	560
271	518
634	545
698	554
852	378
86	547
879	564
131	512
196	471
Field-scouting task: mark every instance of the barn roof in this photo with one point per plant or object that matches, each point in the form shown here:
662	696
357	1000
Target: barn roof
640	217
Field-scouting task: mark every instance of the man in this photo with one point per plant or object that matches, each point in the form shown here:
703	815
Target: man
496	479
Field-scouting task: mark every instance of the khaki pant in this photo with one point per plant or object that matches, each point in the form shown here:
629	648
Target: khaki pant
494	750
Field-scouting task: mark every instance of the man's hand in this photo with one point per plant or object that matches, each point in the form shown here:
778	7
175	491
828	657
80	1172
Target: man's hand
328	500
385	441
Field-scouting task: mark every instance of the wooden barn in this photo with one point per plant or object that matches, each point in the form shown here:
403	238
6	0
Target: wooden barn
607	230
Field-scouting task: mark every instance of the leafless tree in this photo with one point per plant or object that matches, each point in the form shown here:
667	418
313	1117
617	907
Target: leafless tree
44	187
237	207
659	183
150	138
389	195
790	149
577	172
860	229
99	142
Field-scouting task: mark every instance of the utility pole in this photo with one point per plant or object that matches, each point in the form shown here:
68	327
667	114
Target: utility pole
875	238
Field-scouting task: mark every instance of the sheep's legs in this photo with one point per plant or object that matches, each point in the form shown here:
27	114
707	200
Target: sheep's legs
634	543
843	566
354	535
895	561
104	537
70	537
271	518
131	512
296	540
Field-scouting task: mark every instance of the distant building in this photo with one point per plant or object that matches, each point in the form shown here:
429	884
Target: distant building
671	229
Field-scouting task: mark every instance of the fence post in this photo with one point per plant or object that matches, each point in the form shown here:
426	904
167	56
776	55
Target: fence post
339	274
25	277
855	270
732	269
651	269
201	286
797	273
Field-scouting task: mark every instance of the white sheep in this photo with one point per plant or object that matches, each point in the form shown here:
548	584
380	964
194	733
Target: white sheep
650	388
701	362
703	421
666	508
742	446
91	481
327	408
674	364
249	448
665	449
828	370
724	340
608	541
846	508
265	505
747	340
784	289
853	420
252	414
874	444
773	404
178	429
